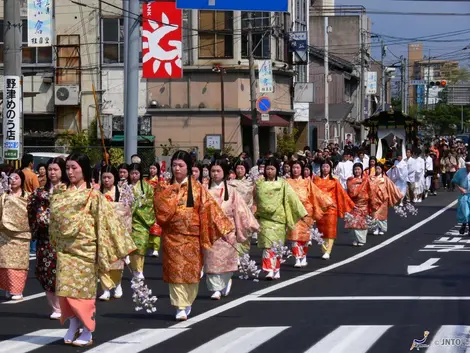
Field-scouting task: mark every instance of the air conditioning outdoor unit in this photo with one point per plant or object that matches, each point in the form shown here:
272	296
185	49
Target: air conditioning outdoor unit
67	95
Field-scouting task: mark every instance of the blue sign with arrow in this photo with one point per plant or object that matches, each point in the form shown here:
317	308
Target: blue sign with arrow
263	104
234	5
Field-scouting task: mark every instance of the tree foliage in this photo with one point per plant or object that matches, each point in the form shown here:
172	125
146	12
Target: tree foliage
445	119
286	142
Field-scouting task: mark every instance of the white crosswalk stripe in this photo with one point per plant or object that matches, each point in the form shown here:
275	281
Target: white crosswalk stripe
31	341
345	339
240	340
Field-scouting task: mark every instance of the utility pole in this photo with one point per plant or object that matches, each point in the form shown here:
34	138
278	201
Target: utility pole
221	71
13	55
254	113
405	86
402	84
131	100
125	11
384	74
363	74
326	82
429	79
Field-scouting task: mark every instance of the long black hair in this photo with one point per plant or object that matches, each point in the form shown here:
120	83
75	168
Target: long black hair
186	158
300	163
138	167
243	163
222	163
330	163
156	165
358	164
61	163
84	163
114	172
22	177
273	162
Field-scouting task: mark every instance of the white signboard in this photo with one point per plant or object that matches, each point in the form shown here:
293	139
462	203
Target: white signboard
304	92
264	117
39	23
213	141
265	76
371	87
12	118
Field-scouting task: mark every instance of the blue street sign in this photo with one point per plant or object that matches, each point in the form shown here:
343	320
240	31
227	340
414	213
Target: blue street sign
234	5
263	104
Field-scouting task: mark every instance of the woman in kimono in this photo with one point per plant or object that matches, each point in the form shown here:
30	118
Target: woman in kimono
278	208
15	237
88	238
327	225
245	187
315	202
461	181
39	217
123	171
221	260
155	231
370	170
121	199
143	217
359	192
384	194
191	221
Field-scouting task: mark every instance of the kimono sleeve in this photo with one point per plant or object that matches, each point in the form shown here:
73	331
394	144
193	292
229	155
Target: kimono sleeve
293	207
245	221
394	195
113	240
148	212
165	202
344	204
214	224
460	178
32	208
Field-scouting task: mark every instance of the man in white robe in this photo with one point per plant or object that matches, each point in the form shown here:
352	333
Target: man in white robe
411	167
428	173
344	169
420	178
399	174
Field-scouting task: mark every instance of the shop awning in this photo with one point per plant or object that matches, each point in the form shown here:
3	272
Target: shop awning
274	120
120	138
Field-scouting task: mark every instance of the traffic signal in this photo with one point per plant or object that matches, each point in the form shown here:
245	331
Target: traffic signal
442	83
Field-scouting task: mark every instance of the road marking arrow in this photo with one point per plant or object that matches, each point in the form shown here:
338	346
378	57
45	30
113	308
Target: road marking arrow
428	265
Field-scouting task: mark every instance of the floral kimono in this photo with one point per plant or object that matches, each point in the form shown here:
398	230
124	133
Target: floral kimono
278	209
327	225
186	231
88	237
245	188
38	214
221	260
360	193
15	237
384	195
316	202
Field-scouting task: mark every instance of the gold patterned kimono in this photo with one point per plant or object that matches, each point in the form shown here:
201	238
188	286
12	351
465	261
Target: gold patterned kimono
15	233
315	201
88	237
384	195
186	231
222	257
278	208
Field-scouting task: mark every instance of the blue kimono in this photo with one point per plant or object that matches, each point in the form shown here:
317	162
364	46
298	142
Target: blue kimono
462	179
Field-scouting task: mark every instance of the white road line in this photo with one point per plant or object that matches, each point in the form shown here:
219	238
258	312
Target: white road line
25	299
137	341
243	300
349	339
31	341
438	343
377	298
240	340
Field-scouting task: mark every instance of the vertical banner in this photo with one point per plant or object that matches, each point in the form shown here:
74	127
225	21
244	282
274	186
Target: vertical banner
162	40
39	23
265	76
371	87
12	118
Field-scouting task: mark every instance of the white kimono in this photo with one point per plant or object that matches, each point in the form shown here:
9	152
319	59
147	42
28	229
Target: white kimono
399	175
420	177
344	170
429	168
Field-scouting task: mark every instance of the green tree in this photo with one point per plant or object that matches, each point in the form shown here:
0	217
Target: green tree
460	75
286	142
445	119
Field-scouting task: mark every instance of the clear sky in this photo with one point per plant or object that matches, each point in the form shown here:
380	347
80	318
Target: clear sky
416	26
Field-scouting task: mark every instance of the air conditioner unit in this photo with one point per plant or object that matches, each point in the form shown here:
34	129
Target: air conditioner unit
67	95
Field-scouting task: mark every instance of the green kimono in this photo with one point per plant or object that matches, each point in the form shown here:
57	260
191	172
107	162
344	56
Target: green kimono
143	216
278	208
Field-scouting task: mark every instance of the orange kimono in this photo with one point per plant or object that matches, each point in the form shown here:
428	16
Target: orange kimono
328	223
186	231
384	195
359	192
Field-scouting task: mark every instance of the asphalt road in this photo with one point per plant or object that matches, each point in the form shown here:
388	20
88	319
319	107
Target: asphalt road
362	300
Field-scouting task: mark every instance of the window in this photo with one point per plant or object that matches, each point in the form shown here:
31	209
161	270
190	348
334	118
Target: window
261	35
215	34
113	40
34	56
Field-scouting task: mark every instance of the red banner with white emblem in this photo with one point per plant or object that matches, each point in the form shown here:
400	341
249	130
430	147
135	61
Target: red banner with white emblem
162	39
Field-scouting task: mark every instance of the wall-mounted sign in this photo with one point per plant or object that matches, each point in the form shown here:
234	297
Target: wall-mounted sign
39	23
213	141
12	129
